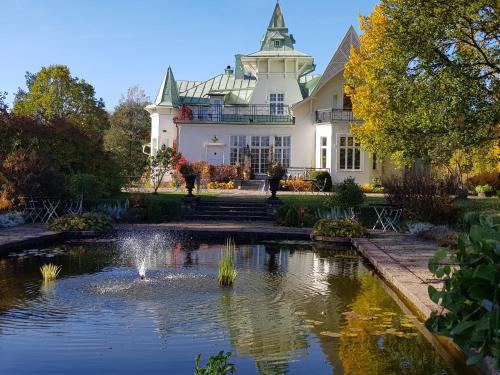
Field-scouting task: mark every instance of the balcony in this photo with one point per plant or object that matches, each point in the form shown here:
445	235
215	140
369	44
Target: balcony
244	114
329	115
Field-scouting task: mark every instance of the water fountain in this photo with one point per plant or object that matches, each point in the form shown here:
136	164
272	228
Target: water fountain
145	251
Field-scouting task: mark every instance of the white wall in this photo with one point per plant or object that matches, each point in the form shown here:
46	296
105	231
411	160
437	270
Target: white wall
163	129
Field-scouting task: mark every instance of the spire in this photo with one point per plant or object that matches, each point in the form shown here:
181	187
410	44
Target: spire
277	37
277	20
168	94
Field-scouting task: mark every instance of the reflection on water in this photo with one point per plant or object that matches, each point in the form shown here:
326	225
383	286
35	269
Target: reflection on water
293	309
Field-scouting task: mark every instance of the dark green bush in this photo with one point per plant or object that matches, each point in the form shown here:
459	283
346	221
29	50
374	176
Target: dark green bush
347	194
87	221
294	216
471	295
154	213
346	228
320	177
86	185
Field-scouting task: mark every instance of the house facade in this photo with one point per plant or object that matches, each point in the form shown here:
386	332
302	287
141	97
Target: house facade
271	105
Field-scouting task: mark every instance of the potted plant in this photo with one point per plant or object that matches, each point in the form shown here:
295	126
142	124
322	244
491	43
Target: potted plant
482	190
275	173
189	175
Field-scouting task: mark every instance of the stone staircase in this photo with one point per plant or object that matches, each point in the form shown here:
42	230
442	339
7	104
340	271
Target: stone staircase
254	185
229	210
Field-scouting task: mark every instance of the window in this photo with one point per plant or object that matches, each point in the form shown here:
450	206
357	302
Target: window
259	150
277	44
237	151
349	154
374	166
217	110
335	102
282	150
323	151
277	104
347	105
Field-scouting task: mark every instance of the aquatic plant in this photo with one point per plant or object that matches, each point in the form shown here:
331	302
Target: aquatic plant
217	365
227	273
50	272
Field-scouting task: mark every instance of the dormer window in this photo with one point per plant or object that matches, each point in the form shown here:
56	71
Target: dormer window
277	43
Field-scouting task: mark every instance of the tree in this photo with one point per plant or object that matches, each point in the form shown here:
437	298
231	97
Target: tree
129	129
160	164
53	93
425	79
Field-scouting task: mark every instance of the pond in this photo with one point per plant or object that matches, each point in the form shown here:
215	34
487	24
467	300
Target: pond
293	309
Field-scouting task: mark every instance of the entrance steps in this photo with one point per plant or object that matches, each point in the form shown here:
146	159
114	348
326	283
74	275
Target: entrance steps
230	210
254	185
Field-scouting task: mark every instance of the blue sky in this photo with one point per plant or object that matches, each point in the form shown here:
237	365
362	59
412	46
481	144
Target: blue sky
114	44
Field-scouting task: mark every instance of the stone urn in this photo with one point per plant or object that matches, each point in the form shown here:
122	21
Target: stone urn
274	185
190	180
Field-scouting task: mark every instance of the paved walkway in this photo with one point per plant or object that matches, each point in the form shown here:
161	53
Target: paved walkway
249	229
25	235
402	260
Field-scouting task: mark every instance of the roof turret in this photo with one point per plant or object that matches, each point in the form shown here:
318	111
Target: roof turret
168	94
277	37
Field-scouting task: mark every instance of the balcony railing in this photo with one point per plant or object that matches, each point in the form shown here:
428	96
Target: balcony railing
329	115
252	113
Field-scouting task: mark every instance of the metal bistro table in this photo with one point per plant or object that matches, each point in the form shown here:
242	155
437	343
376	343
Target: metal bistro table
388	217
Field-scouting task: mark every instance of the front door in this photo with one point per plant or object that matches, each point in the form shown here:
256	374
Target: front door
215	155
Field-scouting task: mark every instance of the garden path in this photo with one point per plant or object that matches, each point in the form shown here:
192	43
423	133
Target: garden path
402	260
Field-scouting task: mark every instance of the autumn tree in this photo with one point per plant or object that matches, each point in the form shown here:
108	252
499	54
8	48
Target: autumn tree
129	129
53	93
425	79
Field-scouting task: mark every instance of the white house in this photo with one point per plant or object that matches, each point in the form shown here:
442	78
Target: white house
272	103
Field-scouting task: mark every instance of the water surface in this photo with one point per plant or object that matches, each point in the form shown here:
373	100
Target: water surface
294	309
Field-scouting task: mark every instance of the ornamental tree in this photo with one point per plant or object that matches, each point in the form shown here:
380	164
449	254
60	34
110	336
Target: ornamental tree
425	79
130	127
160	164
53	93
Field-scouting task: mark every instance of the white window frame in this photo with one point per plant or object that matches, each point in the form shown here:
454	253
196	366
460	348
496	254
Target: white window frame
279	151
259	153
321	149
240	149
277	43
276	106
353	148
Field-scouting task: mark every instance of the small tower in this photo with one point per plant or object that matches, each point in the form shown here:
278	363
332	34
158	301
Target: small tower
162	112
277	66
277	36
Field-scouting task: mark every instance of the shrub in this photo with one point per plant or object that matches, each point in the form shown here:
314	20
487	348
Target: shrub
346	195
26	173
470	295
484	189
115	209
346	228
276	170
86	185
293	216
222	173
421	196
83	222
10	220
221	185
296	184
320	177
491	178
368	188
